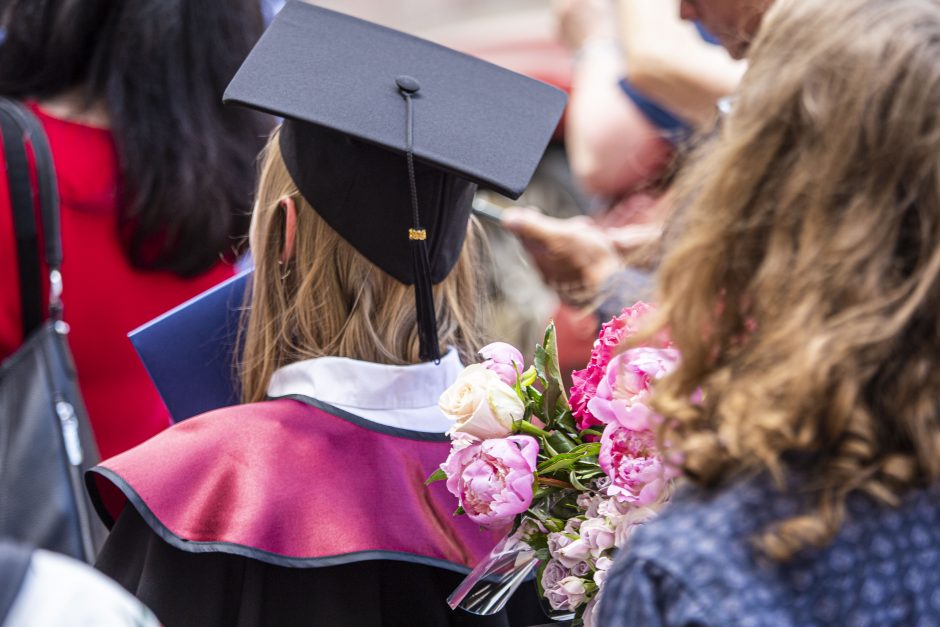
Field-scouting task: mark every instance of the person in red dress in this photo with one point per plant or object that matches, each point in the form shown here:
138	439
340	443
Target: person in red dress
155	176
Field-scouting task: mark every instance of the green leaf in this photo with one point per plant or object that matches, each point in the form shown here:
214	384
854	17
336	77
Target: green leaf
587	432
588	475
538	541
555	464
573	477
554	524
565	419
554	401
528	377
566	460
561	442
459	511
437	475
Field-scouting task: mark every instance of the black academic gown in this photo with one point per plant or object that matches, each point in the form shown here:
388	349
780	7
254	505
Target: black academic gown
219	589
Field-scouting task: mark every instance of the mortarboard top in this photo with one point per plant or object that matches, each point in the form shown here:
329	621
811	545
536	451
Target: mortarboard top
472	118
360	99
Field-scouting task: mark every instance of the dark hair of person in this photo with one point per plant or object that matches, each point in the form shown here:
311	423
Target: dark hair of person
159	67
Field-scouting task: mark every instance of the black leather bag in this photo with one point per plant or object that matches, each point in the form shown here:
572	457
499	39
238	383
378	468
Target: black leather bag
46	441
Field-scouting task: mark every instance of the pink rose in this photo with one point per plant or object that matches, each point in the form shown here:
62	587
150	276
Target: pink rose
622	391
612	334
503	359
635	468
493	479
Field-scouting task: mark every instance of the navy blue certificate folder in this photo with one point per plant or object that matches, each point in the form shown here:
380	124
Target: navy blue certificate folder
189	351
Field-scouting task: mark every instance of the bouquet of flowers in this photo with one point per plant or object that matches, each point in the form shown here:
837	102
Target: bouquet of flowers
571	479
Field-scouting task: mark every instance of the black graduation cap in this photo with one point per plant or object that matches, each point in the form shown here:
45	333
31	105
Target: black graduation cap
388	135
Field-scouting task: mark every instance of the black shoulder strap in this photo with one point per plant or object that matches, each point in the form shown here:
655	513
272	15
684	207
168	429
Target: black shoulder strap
24	221
14	561
19	126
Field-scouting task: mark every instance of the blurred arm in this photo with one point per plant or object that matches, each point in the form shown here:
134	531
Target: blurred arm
612	147
666	59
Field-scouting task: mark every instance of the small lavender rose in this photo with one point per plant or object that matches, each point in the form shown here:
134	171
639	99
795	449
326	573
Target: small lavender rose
503	359
552	574
480	404
598	534
628	523
636	470
559	540
590	615
602	565
581	569
611	507
572	525
589	502
493	479
621	394
568	594
577	551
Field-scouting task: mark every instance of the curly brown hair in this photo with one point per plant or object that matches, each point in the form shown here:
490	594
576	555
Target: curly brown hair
803	288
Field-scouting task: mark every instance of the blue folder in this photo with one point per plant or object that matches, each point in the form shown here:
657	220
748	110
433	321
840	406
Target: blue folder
189	352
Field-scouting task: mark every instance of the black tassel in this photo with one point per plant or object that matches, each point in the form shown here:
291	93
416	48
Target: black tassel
430	349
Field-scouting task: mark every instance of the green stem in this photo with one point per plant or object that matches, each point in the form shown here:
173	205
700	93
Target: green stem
555	483
530	429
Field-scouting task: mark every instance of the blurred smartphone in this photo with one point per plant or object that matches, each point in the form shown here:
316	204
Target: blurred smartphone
488	211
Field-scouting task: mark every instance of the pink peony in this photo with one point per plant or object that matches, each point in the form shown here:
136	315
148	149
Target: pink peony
611	335
503	359
492	479
621	392
636	469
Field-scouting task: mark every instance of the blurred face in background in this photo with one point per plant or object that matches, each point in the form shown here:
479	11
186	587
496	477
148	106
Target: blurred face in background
733	22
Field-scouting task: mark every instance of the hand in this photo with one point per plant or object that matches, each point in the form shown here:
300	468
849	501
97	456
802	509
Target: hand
582	20
574	256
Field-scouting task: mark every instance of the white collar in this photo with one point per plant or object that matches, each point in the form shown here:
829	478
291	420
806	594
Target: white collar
400	396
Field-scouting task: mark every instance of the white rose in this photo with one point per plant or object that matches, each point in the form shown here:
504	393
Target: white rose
481	404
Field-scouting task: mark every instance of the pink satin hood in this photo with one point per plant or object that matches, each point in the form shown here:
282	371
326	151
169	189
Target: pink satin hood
290	483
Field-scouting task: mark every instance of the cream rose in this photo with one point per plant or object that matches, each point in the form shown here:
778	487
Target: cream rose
481	404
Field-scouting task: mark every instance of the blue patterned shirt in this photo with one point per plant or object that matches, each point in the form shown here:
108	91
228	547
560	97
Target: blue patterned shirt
694	565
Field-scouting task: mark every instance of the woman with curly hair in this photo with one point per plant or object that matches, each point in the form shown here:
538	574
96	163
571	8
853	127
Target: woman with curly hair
803	291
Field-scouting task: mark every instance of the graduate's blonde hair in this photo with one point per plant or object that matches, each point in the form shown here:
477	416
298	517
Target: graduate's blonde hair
329	300
804	288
